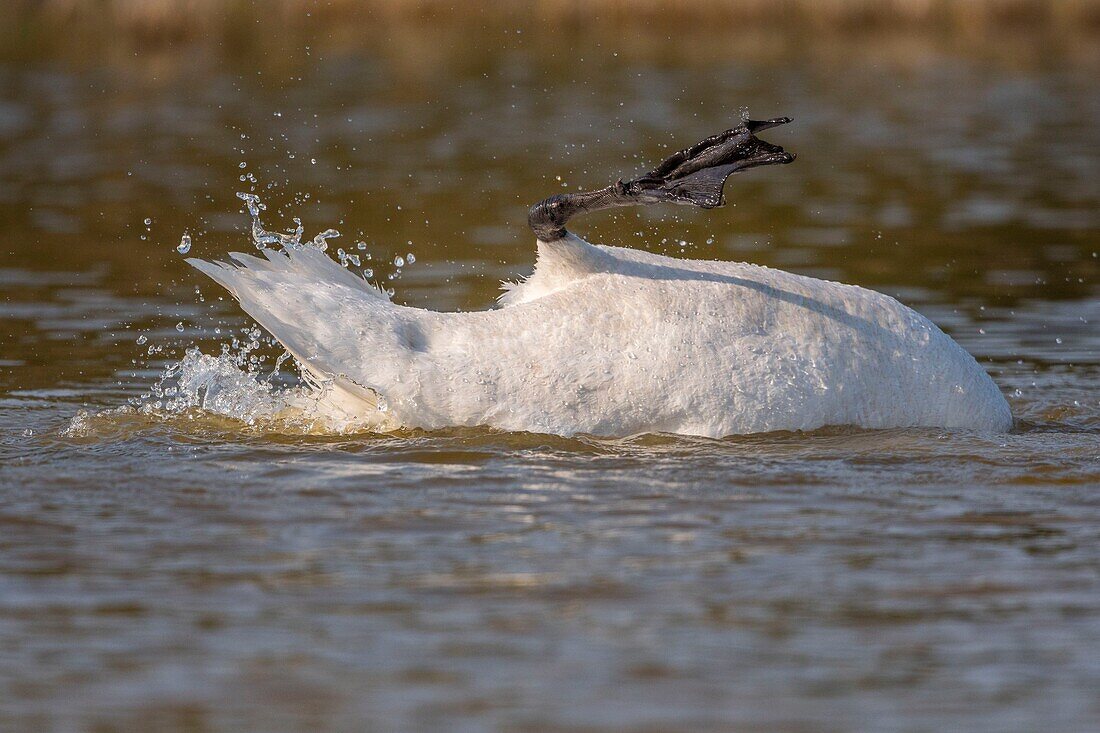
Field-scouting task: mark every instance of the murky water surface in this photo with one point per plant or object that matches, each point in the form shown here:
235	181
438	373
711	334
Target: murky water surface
177	568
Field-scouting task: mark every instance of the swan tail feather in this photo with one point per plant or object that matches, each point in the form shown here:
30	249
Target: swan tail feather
312	306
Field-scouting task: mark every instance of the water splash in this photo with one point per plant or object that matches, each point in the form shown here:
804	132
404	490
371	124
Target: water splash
238	390
319	241
263	239
217	385
242	385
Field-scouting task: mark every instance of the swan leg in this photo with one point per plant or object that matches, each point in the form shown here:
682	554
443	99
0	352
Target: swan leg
693	176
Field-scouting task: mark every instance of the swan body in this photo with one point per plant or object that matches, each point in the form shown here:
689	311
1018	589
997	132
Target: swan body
612	341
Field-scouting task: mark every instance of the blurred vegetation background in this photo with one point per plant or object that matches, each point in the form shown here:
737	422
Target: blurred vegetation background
1016	31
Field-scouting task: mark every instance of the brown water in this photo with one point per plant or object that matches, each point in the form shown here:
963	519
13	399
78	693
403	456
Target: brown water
169	569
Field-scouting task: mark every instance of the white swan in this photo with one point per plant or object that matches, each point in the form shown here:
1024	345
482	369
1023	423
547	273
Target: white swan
613	341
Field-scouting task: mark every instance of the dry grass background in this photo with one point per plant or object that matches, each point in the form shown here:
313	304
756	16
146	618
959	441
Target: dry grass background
161	16
1017	32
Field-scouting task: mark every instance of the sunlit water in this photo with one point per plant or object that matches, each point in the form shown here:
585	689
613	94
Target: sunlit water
187	544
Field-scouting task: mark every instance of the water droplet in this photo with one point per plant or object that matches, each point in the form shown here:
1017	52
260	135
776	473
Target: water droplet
410	258
399	261
141	339
252	201
319	241
148	221
179	327
185	244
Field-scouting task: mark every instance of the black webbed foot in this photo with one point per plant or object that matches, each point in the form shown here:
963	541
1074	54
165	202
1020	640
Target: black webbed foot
697	175
694	176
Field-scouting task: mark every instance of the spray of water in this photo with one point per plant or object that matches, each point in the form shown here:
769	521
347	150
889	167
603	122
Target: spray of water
241	384
292	239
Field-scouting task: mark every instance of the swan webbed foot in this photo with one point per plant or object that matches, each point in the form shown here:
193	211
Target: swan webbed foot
693	176
697	175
